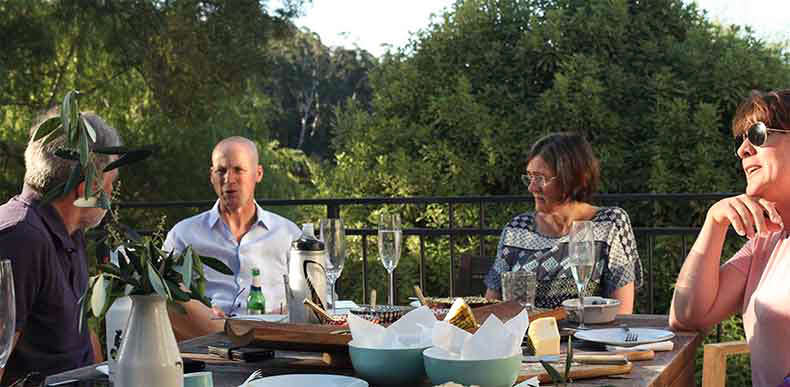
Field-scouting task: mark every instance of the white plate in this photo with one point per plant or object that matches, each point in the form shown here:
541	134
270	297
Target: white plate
273	318
308	380
616	336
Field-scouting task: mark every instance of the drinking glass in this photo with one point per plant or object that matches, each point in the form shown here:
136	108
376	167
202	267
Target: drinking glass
519	285
7	311
334	236
581	250
389	247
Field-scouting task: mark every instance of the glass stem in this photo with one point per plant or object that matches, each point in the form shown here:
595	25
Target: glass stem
392	288
332	294
581	309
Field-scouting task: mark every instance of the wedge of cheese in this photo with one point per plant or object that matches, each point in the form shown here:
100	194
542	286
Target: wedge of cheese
544	336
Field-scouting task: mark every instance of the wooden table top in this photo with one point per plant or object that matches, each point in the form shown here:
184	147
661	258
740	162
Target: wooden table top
672	368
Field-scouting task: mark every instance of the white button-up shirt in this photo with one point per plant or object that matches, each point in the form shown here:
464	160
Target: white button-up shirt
264	246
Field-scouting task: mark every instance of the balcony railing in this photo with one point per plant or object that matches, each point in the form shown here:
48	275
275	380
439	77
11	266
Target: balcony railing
646	235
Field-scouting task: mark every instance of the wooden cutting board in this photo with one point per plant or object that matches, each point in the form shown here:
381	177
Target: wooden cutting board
291	337
578	371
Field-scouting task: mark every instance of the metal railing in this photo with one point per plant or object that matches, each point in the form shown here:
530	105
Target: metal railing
646	235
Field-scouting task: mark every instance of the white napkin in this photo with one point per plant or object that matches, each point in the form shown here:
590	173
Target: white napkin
531	382
493	340
658	347
413	330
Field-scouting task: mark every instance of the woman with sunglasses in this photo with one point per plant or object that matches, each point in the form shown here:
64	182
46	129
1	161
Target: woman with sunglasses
755	282
562	174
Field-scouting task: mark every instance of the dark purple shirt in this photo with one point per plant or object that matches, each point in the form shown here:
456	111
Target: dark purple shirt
50	275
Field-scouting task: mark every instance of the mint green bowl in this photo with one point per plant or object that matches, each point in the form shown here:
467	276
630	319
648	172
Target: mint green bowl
485	373
395	366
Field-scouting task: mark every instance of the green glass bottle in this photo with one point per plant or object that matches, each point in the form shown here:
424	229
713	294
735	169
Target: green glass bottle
256	302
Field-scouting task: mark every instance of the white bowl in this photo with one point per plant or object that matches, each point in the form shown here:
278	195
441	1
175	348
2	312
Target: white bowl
597	310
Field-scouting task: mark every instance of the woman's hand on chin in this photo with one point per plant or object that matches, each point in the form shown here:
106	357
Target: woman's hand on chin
748	215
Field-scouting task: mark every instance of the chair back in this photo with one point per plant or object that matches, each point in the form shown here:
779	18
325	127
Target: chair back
472	269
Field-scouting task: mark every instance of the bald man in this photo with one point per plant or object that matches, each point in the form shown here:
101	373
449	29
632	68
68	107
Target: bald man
238	232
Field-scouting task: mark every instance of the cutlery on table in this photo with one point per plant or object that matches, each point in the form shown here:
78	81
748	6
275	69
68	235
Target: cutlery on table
630	336
255	375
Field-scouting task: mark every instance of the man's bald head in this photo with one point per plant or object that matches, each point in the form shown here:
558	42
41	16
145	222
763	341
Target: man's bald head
235	142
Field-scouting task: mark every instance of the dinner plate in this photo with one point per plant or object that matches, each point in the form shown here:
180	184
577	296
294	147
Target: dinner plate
616	336
308	380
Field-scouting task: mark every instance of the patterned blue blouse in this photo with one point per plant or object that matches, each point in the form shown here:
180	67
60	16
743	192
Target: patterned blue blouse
522	246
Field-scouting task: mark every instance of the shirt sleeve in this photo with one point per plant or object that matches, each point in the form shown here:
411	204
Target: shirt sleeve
742	259
624	266
20	244
493	279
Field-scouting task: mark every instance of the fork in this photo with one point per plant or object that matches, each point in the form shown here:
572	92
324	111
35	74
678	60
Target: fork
253	376
629	335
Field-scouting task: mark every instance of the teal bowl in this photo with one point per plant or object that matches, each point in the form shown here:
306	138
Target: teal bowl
484	373
394	366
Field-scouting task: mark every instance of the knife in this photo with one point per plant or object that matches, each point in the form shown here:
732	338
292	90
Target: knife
584	359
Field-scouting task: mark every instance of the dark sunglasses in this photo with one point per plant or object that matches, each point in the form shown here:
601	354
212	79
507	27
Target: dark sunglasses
757	134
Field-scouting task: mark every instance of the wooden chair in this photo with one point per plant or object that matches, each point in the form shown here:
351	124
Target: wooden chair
472	269
714	363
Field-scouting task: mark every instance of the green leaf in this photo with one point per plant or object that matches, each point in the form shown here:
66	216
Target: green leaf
197	293
99	296
90	177
217	265
52	125
67	154
178	294
84	149
157	283
556	378
65	113
74	179
88	128
130	157
91	202
110	268
185	268
104	201
130	233
83	304
53	194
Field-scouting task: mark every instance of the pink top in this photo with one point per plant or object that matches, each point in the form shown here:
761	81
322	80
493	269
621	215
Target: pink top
765	263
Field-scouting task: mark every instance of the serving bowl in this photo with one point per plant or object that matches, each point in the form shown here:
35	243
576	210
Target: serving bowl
597	310
383	314
388	366
442	368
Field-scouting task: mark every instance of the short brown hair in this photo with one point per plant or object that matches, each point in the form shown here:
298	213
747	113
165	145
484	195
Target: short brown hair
771	108
573	161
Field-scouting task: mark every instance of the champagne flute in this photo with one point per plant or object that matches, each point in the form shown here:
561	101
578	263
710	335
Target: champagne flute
7	311
582	259
389	247
334	236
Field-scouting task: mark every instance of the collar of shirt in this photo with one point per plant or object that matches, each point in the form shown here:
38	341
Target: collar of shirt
51	218
262	217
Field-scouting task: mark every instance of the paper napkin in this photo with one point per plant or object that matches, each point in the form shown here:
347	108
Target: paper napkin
493	340
413	330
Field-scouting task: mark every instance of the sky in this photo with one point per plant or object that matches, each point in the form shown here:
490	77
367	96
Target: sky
373	24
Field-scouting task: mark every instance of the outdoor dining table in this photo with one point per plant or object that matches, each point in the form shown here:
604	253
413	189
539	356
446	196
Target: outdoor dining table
670	368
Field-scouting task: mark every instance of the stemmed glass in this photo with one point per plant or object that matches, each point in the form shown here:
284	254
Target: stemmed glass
581	250
7	311
334	236
389	247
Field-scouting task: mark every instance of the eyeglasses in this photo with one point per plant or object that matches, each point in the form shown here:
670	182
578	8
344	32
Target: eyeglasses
540	180
757	134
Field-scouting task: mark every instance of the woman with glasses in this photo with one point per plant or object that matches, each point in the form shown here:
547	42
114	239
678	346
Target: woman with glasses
562	174
755	281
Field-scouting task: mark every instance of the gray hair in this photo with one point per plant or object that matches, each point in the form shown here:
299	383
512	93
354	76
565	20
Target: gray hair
45	171
251	146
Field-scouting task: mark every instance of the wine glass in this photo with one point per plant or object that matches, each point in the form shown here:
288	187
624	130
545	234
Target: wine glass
334	236
582	259
7	311
389	247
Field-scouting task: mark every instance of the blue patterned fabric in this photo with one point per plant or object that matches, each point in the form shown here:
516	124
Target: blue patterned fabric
521	246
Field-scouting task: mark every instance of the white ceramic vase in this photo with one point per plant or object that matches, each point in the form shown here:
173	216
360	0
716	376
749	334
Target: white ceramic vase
149	354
